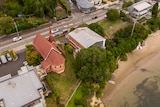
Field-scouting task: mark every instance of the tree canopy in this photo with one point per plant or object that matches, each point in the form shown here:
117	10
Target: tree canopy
97	28
155	10
90	65
113	14
32	56
6	25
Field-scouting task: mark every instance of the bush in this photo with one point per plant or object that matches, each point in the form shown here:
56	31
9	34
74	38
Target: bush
65	5
127	4
13	54
113	14
97	28
123	57
69	48
79	101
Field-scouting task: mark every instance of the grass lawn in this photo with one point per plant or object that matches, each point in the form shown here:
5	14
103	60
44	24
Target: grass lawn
78	95
62	85
111	27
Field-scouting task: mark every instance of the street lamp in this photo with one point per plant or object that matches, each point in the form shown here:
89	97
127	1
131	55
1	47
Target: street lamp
15	24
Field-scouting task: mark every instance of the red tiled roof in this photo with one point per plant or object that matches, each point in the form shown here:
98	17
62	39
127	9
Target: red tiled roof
48	51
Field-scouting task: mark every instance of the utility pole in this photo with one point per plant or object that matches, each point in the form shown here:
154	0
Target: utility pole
15	24
135	21
82	18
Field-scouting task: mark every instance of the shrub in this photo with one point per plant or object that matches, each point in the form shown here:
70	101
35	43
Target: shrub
13	54
69	48
123	57
64	4
79	101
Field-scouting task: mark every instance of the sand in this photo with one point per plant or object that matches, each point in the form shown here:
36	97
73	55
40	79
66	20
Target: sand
141	64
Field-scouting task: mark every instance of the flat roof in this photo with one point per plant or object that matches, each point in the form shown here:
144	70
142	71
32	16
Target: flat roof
85	3
141	6
20	90
86	37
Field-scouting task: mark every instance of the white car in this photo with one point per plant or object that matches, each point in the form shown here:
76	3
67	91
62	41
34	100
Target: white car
15	39
9	57
54	30
3	59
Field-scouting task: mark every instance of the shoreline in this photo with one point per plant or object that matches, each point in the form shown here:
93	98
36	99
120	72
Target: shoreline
128	74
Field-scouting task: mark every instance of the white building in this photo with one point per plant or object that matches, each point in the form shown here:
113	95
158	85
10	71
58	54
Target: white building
24	90
85	38
140	9
85	6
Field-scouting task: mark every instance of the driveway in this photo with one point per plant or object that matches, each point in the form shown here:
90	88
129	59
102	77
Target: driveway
13	66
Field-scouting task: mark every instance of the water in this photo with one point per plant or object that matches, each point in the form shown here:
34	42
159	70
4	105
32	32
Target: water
147	94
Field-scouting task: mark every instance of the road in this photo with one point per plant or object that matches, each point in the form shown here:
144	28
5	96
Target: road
73	21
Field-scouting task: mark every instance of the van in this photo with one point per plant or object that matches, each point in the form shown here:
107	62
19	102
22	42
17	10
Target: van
3	59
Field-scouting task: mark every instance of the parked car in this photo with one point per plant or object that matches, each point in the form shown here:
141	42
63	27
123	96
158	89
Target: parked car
57	34
65	31
95	17
3	59
9	58
15	39
54	30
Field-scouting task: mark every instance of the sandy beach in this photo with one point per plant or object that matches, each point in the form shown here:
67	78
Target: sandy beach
140	70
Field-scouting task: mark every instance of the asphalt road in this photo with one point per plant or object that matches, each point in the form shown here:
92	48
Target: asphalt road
13	66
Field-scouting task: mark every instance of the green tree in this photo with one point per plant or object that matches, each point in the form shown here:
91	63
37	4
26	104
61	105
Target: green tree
97	28
33	58
113	14
69	48
13	8
127	4
6	25
155	10
90	65
13	54
123	16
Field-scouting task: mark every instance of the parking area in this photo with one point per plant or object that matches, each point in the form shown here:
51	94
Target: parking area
11	67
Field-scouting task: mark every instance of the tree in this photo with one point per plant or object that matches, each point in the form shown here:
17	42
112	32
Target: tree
32	56
6	25
123	16
97	28
69	48
90	65
127	4
113	14
155	10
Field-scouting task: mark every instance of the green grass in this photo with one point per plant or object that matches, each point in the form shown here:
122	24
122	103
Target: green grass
78	95
62	85
110	27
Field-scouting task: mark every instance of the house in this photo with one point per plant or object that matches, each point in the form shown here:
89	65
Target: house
85	6
85	38
140	9
23	90
52	58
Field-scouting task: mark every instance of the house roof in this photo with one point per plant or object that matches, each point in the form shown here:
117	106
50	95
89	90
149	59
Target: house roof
48	51
141	6
85	36
20	90
85	3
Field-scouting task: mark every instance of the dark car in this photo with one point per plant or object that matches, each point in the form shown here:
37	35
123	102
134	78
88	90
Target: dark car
95	17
